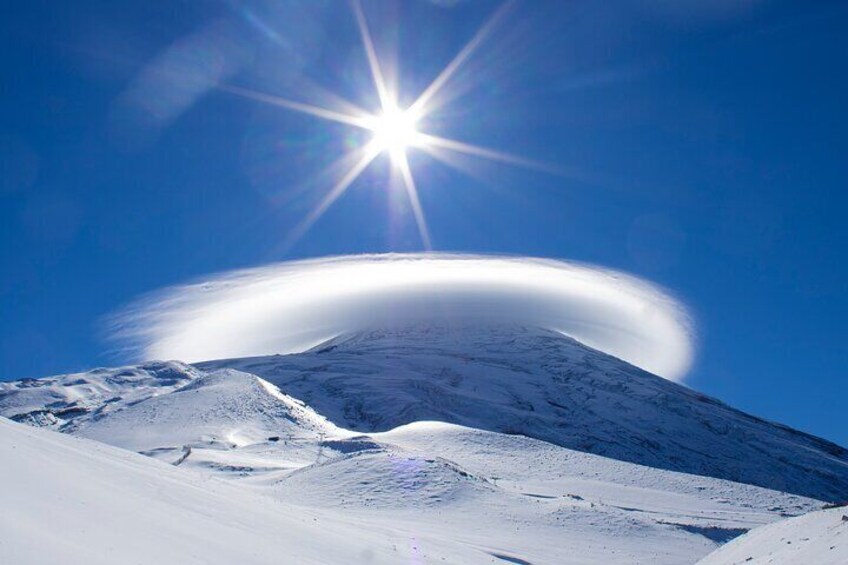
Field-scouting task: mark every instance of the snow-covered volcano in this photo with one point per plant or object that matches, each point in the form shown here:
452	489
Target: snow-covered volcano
541	384
478	443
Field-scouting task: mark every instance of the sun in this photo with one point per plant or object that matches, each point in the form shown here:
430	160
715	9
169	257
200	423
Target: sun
394	131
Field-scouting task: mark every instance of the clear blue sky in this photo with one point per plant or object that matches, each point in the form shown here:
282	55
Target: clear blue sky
706	146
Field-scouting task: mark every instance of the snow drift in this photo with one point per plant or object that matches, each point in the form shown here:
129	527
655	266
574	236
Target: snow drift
818	537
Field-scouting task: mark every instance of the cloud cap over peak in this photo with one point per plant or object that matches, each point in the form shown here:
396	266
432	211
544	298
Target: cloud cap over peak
291	306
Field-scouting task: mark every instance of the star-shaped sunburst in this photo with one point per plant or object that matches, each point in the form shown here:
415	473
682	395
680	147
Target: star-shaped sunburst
395	130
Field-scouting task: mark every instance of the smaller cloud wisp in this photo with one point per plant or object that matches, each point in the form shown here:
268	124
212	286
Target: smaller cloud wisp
292	306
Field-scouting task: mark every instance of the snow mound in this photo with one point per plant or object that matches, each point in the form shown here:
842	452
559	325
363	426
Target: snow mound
379	478
818	537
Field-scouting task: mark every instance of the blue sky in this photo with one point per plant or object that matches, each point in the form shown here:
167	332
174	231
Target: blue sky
701	147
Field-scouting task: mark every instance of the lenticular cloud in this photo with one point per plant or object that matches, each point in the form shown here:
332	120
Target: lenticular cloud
292	306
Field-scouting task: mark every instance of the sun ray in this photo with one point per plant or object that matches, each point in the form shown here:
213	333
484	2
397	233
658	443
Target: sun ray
308	90
428	140
317	111
420	105
402	164
450	152
366	155
386	101
455	160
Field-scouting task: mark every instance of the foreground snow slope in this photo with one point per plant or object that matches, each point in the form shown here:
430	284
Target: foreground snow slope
74	501
527	499
543	385
819	538
78	501
396	492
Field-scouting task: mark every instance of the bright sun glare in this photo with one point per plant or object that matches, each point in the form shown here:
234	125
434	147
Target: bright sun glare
394	131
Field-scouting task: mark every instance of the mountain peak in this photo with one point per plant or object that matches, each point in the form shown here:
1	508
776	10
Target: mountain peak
460	334
542	384
505	378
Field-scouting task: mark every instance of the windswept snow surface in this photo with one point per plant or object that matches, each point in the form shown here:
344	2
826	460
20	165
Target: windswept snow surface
817	538
73	501
392	498
528	499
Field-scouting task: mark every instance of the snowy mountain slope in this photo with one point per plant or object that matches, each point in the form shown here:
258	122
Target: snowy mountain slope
76	501
220	409
501	378
175	413
543	385
542	503
57	401
434	497
818	537
535	468
474	494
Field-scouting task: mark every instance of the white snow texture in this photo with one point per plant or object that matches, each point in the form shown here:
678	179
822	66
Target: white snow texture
499	444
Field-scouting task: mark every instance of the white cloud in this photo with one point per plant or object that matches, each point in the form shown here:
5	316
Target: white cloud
292	306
